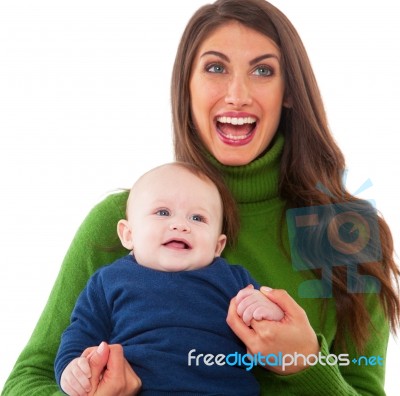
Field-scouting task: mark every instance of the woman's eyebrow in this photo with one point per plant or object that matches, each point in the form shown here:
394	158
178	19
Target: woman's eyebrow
251	63
216	53
262	57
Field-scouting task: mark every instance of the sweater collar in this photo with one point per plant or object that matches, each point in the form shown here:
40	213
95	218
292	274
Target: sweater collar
257	181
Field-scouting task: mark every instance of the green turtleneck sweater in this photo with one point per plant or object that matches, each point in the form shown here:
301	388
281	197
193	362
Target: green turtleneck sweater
259	249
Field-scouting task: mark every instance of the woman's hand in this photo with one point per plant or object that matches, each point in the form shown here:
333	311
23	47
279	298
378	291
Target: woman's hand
293	334
111	374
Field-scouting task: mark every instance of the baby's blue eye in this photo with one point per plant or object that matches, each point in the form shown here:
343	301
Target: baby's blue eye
163	212
216	68
198	218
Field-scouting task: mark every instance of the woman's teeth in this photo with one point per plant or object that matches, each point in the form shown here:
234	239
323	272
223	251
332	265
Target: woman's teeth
236	120
236	137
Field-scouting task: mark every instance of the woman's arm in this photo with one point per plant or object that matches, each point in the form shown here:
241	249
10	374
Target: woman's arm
95	244
290	336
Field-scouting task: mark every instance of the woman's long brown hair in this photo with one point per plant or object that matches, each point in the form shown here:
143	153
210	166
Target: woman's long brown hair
310	155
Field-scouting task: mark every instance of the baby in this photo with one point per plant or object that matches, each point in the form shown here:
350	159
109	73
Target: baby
170	295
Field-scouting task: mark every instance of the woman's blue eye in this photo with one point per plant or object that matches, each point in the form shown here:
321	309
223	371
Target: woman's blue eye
263	71
216	68
162	212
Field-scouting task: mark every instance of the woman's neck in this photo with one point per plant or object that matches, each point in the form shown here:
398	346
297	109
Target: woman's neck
258	180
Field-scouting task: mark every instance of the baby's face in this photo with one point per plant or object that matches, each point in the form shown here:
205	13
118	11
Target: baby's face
175	218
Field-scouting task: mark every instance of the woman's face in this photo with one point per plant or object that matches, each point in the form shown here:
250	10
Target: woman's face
237	93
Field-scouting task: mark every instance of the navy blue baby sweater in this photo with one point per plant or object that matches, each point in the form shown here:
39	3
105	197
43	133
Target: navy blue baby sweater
159	317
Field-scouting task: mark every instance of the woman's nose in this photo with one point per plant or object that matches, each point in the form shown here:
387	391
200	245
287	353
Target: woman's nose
238	92
181	227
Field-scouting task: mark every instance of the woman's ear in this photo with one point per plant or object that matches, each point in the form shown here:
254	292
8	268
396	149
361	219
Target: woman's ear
287	102
125	234
220	245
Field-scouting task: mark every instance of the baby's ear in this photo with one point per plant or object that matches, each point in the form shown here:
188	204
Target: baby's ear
125	234
220	245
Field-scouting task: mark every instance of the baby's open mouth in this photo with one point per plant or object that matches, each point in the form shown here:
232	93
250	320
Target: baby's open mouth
177	244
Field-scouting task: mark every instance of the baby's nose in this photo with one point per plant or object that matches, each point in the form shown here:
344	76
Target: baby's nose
181	227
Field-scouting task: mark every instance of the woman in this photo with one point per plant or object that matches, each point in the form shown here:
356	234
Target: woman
245	104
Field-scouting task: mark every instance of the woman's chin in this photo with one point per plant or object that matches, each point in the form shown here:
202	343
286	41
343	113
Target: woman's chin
234	152
234	159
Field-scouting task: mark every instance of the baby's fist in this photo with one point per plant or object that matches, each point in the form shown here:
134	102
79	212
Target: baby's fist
252	304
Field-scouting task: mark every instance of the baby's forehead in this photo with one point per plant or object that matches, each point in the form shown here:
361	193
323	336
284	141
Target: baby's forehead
170	178
170	173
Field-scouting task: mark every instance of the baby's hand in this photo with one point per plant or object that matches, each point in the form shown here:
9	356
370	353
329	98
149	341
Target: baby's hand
75	379
252	304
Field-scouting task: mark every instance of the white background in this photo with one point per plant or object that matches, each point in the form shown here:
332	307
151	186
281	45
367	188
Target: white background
84	110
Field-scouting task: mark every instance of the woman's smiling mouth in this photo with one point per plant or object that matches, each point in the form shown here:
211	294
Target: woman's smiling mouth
236	131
